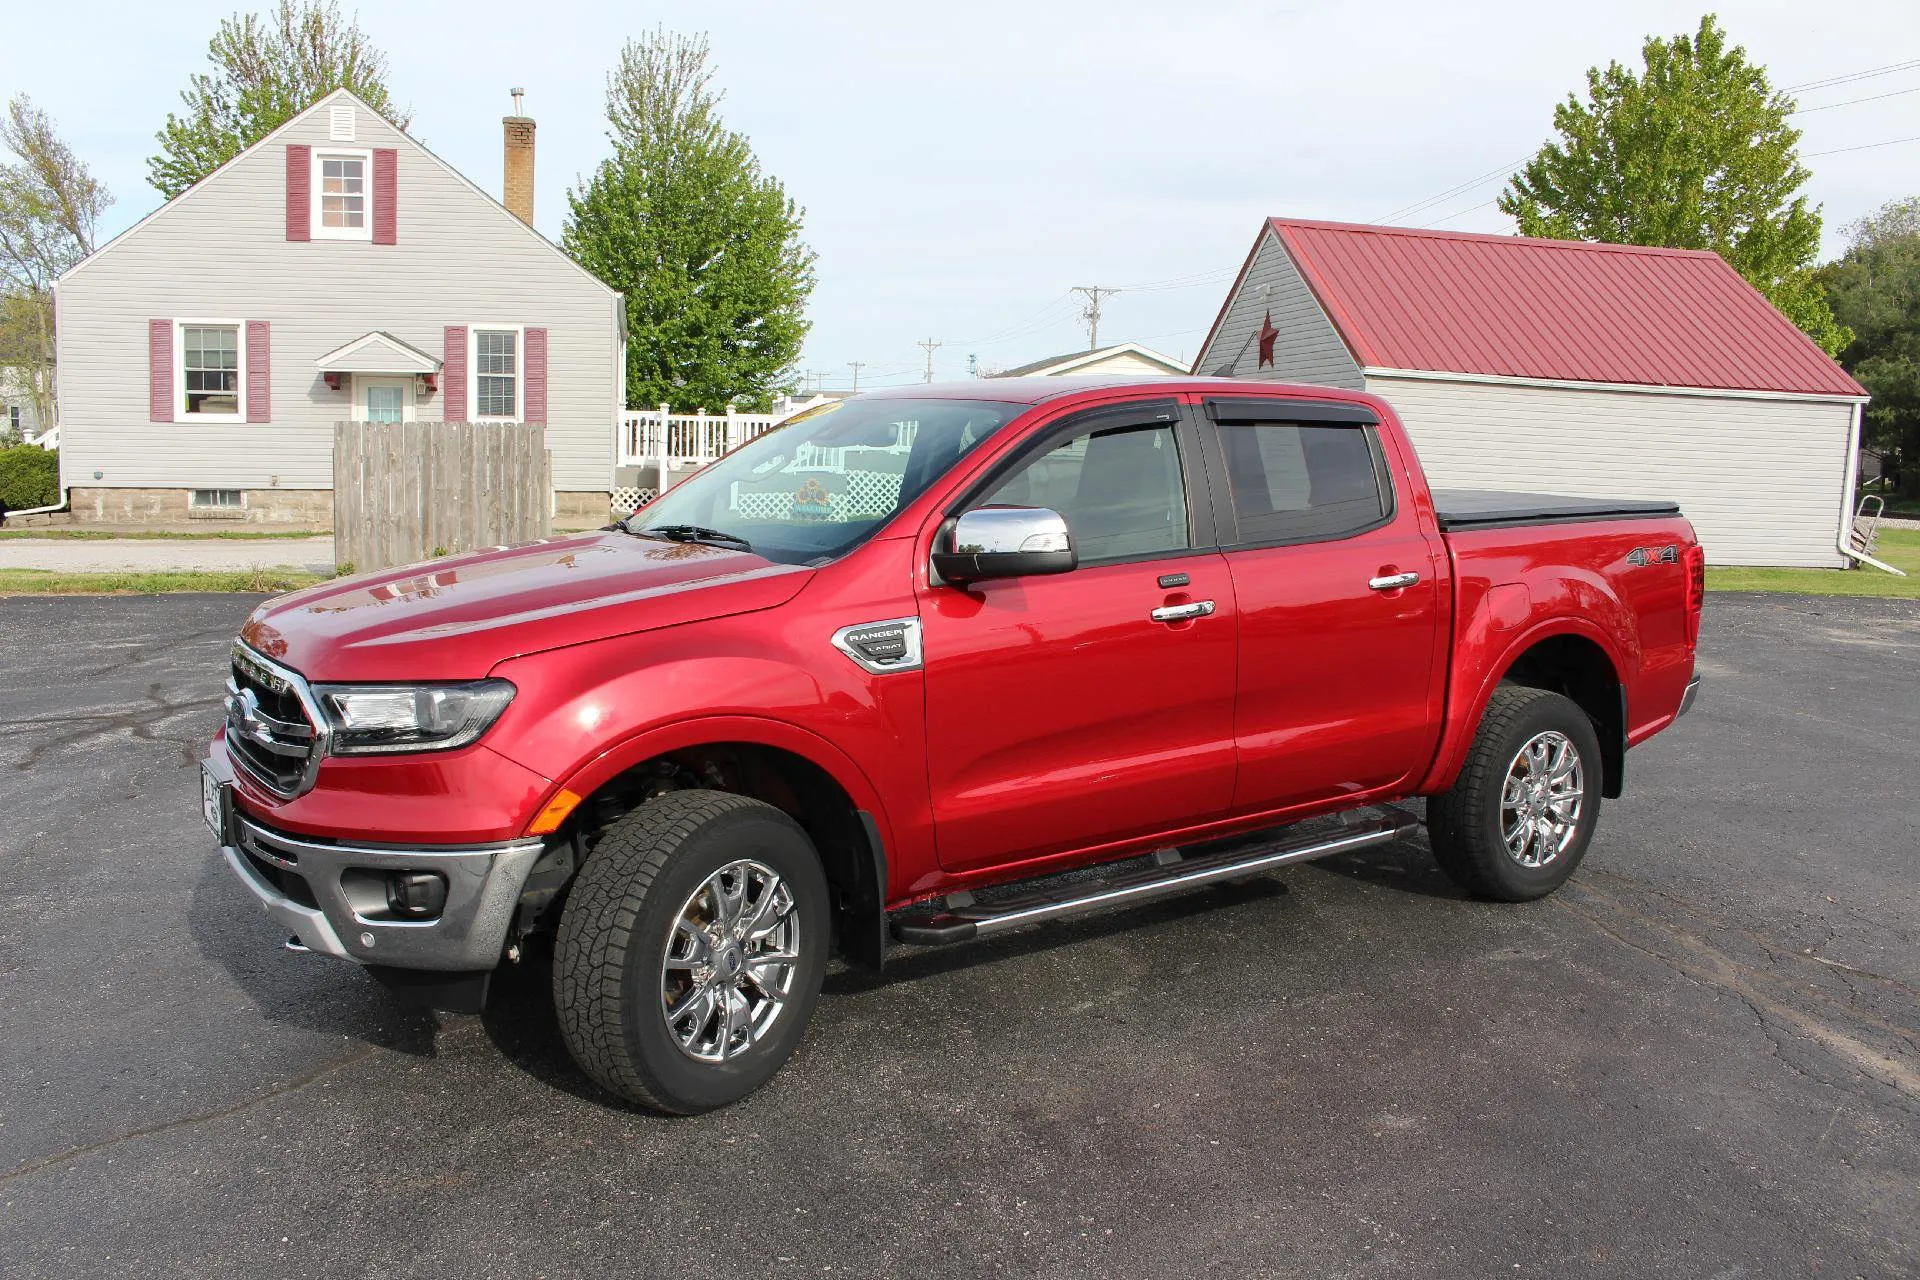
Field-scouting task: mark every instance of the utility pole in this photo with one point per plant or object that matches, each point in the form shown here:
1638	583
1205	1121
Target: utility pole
856	366
1091	313
930	346
973	366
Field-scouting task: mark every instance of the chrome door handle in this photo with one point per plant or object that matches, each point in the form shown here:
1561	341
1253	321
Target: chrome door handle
1393	581
1182	612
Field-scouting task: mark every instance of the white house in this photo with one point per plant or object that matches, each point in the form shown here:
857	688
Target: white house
1128	358
335	270
1587	369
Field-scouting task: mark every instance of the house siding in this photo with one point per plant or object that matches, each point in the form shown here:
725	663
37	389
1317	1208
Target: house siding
1308	349
222	249
1761	479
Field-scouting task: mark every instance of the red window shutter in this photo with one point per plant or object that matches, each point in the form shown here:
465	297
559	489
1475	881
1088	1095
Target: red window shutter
160	370
299	192
453	375
533	407
259	371
386	187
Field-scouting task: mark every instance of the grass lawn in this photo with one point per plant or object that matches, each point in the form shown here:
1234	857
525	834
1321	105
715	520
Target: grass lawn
45	582
108	535
1898	547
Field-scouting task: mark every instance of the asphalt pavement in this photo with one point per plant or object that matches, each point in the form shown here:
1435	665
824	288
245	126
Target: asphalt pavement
1699	1060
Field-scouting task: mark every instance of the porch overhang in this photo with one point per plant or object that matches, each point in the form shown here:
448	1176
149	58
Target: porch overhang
378	352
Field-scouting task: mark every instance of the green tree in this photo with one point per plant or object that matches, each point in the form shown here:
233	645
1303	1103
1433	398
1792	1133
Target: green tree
50	207
1875	290
1694	152
705	246
266	71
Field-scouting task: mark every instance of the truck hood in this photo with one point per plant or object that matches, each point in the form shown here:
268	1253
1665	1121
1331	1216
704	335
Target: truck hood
456	618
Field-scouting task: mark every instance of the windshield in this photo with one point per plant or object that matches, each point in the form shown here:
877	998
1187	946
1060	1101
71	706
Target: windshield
825	480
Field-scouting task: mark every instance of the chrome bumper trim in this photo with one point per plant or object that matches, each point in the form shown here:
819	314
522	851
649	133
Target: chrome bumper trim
483	889
1686	699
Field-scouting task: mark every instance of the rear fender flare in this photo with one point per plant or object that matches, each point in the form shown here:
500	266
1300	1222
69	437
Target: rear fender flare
1463	716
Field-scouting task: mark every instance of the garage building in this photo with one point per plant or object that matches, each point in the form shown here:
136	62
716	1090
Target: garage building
1566	367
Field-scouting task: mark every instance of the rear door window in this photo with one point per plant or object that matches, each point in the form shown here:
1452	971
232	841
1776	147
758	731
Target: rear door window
1304	482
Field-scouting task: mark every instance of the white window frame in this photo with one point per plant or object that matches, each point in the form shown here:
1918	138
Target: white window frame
519	371
216	506
180	412
314	182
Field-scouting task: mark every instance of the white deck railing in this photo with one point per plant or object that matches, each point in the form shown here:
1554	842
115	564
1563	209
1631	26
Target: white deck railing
661	437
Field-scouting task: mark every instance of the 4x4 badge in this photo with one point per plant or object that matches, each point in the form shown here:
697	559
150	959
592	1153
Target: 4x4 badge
1642	556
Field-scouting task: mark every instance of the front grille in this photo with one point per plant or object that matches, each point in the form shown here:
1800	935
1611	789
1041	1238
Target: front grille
269	732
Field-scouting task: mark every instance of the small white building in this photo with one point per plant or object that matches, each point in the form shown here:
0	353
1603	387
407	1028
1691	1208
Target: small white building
1123	358
1565	367
334	271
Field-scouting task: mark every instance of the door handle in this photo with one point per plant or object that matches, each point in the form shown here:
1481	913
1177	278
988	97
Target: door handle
1182	612
1393	581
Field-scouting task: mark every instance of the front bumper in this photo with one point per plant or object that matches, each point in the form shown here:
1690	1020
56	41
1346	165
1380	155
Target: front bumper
325	896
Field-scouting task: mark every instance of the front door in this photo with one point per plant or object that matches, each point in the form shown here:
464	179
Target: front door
1060	713
1341	619
378	399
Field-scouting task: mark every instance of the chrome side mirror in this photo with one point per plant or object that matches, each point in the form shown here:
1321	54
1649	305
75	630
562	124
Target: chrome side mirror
1004	542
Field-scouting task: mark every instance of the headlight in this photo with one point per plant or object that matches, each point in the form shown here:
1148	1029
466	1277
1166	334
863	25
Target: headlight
377	718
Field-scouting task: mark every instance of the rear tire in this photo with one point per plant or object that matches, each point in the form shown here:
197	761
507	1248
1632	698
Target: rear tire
1516	823
679	908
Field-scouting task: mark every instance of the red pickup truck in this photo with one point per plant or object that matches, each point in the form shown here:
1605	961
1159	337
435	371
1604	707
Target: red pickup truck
885	672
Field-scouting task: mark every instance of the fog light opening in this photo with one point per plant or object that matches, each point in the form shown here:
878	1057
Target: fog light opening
416	895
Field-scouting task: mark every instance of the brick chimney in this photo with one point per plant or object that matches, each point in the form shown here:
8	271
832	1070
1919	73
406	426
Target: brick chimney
517	185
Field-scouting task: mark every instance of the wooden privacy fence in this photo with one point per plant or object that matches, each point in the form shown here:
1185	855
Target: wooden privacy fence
409	491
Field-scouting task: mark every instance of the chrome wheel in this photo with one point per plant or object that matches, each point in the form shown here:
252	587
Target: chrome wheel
1541	798
730	961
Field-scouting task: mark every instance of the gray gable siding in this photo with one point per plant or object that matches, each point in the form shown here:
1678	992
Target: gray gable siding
220	252
1308	349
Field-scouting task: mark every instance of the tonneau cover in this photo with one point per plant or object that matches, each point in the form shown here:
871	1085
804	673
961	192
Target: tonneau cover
1486	508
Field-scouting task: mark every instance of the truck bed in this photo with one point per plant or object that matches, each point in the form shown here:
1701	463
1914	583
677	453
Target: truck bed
1460	509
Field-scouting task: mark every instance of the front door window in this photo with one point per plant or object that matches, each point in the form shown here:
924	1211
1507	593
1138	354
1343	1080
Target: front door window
383	404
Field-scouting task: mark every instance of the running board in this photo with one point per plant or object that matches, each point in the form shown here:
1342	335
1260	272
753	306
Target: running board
961	920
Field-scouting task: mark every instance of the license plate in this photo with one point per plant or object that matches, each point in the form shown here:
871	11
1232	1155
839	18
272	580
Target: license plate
213	805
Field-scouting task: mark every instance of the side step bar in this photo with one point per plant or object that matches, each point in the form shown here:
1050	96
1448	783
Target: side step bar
962	920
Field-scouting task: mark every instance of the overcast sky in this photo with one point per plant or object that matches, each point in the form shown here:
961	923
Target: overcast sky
962	166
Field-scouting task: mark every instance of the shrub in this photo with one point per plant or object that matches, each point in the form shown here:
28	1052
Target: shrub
29	477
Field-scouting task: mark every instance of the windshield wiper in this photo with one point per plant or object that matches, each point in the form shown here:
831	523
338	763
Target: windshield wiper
694	533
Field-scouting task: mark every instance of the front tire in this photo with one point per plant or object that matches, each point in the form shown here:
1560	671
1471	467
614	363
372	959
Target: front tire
691	951
1516	823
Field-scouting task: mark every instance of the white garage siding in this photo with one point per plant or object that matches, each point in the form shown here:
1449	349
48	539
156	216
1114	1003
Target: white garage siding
220	251
1308	348
1762	479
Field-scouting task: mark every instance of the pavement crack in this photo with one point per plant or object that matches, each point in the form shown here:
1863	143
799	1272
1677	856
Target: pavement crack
188	1122
1704	963
139	723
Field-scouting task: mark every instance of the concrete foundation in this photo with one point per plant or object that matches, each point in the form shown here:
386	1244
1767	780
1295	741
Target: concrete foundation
282	508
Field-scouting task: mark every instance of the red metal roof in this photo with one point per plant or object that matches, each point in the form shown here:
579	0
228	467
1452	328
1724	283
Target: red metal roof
1443	301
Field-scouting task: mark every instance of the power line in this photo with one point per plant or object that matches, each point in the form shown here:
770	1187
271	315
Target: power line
1420	206
1853	101
930	346
1850	77
1091	313
1868	146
